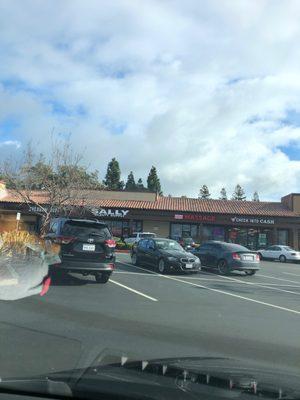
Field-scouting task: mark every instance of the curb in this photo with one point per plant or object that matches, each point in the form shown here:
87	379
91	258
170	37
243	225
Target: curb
123	251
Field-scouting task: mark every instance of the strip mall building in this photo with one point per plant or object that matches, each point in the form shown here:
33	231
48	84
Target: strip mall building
253	224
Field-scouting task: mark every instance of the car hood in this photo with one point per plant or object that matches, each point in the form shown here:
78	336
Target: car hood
177	253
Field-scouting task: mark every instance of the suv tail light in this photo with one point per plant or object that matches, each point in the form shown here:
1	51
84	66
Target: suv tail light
236	256
64	239
110	243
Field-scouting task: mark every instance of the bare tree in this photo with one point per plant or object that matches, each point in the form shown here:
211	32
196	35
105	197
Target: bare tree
59	179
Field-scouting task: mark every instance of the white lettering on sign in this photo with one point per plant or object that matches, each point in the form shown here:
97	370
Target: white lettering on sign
178	216
101	212
245	220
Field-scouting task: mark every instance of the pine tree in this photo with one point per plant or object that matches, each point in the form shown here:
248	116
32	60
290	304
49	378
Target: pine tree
112	177
255	196
223	194
153	182
140	185
204	192
130	184
239	193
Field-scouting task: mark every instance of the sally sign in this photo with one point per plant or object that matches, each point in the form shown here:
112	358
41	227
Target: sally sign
118	213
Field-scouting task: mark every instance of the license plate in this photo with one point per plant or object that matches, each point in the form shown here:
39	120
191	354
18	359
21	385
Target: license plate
188	265
88	247
250	258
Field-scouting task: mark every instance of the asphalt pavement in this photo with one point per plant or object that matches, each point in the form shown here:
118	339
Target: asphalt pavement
142	314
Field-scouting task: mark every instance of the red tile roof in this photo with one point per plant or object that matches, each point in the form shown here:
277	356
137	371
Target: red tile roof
176	204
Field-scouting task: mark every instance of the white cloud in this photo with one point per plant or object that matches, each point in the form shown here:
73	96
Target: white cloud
199	89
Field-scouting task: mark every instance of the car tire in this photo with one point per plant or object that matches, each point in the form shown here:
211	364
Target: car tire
102	277
161	266
282	258
251	272
223	267
134	259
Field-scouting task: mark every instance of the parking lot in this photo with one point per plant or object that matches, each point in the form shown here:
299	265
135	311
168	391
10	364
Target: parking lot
148	315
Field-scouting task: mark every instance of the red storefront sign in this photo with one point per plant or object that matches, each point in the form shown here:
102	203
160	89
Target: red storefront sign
195	217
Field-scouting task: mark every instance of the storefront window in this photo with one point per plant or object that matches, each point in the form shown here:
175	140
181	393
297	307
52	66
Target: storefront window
283	237
184	230
136	226
123	228
252	238
213	233
265	238
238	236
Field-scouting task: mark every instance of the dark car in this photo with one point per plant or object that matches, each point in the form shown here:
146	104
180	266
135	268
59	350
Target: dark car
164	255
86	247
228	257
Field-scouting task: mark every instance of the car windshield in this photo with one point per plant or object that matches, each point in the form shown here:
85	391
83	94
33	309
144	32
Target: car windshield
150	199
168	245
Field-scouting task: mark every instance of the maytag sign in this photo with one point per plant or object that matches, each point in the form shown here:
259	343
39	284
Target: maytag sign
118	213
255	220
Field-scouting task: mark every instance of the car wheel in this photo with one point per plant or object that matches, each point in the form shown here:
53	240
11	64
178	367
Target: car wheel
102	277
134	259
161	266
223	267
251	272
282	258
260	256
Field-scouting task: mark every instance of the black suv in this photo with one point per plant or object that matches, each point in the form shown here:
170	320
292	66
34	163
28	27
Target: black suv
86	247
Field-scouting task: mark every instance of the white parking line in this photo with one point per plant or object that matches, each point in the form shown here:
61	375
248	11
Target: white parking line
134	266
235	295
279	279
262	285
133	290
290	310
221	281
289	273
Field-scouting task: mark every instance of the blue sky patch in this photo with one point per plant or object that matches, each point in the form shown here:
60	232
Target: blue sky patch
115	128
292	151
292	118
8	126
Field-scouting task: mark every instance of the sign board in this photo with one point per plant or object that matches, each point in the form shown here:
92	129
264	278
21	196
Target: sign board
253	220
18	217
118	213
195	217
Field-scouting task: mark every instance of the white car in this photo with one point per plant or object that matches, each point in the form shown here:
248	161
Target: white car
280	253
137	236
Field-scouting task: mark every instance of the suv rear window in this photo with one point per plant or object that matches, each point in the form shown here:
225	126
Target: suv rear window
85	229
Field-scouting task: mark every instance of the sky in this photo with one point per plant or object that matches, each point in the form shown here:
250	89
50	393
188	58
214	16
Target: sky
207	91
